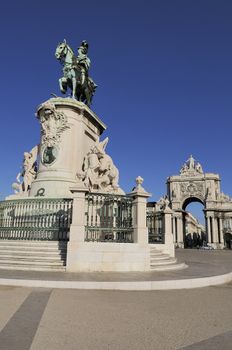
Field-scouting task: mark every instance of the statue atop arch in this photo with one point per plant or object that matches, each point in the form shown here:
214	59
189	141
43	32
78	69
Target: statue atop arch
191	166
76	72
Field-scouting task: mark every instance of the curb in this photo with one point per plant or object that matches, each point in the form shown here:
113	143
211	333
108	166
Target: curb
121	285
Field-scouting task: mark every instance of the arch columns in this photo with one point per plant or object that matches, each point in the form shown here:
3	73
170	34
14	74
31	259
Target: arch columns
221	232
214	230
180	231
208	229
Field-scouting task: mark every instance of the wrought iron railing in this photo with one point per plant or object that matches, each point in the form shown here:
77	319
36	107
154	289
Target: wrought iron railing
36	219
155	224
108	218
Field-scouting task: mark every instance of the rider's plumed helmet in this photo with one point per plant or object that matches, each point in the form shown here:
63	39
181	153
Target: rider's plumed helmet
85	46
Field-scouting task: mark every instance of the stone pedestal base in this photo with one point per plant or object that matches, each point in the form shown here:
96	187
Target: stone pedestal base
117	257
69	130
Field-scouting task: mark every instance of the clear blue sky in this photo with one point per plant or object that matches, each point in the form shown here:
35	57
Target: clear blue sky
164	71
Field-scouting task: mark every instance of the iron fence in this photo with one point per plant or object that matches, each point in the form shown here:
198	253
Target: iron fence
155	224
108	218
36	219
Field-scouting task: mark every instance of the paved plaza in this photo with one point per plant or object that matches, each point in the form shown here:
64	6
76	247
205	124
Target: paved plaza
204	268
70	319
194	319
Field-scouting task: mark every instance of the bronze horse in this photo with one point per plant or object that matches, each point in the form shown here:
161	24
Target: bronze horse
72	75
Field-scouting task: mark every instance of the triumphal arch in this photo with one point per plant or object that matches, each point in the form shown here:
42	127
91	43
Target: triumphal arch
193	185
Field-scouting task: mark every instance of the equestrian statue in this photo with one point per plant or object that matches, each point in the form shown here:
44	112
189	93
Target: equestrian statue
75	70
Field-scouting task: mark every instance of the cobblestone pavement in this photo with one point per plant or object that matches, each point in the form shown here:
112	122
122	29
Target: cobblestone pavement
40	319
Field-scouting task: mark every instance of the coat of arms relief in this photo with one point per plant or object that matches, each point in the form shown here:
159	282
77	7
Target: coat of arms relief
53	124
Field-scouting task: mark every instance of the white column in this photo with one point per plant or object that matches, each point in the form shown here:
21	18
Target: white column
221	232
174	228
180	231
215	230
208	229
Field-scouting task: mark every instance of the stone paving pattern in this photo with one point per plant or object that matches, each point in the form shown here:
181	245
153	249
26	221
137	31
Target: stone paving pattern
55	319
58	319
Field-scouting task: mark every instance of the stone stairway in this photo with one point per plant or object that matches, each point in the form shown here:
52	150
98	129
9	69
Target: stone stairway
163	262
33	255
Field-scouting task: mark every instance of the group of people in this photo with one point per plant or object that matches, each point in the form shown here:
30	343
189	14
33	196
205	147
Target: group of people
195	240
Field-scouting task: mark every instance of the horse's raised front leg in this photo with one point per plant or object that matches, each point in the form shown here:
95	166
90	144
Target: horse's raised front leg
63	85
74	86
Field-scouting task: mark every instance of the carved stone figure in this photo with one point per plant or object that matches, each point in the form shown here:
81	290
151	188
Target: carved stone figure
91	167
166	202
99	172
184	169
191	162
173	193
28	173
75	70
163	203
198	168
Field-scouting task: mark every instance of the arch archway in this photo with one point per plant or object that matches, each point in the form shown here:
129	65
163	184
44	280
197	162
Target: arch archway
193	185
194	223
190	200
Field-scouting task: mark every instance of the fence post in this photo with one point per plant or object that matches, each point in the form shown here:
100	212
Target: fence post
139	212
168	235
77	228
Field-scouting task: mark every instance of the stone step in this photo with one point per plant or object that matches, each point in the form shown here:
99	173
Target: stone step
157	254
54	252
31	261
21	243
29	252
164	262
38	246
178	266
23	267
160	257
155	251
33	257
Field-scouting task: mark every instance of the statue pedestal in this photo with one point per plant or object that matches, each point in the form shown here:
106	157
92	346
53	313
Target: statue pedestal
68	130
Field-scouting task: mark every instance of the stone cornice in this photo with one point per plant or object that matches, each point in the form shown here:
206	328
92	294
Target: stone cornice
85	110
